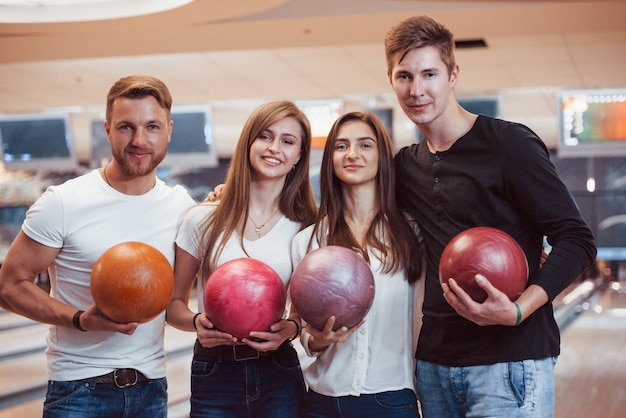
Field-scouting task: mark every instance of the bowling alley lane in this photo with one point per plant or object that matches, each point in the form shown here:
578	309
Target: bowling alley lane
590	373
591	370
23	367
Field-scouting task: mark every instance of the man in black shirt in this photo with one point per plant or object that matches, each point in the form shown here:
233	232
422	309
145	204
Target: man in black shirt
494	358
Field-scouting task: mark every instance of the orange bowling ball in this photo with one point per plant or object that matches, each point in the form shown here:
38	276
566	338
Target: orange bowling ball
132	282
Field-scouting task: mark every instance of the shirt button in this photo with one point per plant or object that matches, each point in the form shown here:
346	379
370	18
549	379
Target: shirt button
437	180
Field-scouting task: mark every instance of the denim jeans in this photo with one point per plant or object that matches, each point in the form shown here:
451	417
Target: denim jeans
74	399
269	386
519	389
393	404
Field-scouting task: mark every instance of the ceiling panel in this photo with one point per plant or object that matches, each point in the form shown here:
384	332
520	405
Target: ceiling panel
298	49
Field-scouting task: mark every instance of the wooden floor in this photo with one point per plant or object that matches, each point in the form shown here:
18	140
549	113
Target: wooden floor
591	370
31	369
590	373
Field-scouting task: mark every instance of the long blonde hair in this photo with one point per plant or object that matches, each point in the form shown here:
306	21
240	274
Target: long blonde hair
296	201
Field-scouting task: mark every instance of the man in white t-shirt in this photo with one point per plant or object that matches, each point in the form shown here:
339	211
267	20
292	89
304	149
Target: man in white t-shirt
98	367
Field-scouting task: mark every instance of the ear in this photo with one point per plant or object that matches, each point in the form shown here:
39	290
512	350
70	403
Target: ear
454	75
169	136
107	129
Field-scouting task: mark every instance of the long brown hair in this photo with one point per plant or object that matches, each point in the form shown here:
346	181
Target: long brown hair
390	233
296	200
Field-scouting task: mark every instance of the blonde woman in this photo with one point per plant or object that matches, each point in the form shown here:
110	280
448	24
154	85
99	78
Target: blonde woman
266	200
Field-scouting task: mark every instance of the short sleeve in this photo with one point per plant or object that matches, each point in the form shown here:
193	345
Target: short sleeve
44	221
189	237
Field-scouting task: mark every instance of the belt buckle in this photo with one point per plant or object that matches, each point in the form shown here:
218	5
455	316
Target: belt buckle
248	353
122	380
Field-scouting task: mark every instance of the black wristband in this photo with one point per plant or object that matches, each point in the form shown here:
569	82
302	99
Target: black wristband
194	321
297	329
76	320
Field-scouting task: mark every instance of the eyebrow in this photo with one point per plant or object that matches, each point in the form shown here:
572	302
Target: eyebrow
150	122
283	134
361	138
400	70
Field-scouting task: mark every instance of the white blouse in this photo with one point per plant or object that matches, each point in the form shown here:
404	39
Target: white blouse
379	356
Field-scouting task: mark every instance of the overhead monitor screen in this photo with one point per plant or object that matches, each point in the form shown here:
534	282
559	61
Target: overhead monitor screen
592	123
36	142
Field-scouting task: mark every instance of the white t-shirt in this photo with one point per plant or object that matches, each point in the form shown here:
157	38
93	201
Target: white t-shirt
379	356
273	248
84	217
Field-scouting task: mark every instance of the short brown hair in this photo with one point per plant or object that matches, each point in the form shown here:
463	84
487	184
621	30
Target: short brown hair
418	32
136	87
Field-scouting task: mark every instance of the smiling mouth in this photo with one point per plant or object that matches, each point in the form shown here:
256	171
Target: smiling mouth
271	160
139	155
137	151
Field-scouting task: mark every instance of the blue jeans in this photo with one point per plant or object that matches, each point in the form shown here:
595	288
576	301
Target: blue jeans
74	399
393	404
519	389
268	386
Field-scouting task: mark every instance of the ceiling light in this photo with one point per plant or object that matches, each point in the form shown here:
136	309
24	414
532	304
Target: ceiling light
48	11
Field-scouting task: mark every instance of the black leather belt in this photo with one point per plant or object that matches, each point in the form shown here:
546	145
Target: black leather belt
119	377
237	352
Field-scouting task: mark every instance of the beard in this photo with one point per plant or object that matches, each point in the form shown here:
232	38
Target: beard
138	169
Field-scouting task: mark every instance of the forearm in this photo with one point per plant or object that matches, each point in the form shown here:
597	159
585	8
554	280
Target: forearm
27	299
533	298
180	316
565	263
178	313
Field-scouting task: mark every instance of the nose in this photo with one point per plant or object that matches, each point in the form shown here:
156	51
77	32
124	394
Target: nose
140	137
352	152
417	89
273	146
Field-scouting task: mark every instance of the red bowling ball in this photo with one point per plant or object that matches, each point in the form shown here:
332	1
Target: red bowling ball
332	280
244	295
487	251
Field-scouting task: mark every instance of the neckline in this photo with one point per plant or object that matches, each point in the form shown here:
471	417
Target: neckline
452	142
108	182
268	232
258	228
